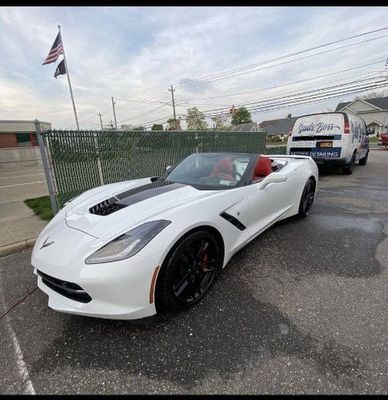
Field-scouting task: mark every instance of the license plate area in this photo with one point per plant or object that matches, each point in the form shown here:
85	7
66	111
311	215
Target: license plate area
325	144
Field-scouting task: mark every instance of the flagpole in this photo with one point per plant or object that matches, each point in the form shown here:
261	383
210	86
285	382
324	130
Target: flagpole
68	78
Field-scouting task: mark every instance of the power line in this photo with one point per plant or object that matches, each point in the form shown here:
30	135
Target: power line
140	115
292	102
224	75
298	93
285	84
286	62
93	116
295	98
141	102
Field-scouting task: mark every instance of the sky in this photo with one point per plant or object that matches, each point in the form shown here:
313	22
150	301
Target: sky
135	53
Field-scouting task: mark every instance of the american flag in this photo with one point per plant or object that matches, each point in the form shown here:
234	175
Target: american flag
55	51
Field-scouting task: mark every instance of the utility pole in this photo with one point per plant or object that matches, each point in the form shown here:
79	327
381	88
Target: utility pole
114	112
102	126
173	100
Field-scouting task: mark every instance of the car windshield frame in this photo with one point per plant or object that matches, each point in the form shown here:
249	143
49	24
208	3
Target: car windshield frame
244	180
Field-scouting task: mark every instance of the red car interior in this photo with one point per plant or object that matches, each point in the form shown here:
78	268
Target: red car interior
263	168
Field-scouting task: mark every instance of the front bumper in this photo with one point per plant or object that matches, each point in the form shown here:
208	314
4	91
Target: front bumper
118	290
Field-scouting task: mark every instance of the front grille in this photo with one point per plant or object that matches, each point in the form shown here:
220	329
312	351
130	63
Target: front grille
68	289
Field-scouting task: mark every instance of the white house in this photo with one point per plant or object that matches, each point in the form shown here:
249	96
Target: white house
373	111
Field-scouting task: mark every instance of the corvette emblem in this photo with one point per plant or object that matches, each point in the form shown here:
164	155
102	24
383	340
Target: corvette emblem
46	243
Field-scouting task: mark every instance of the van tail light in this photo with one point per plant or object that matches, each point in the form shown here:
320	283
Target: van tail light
346	127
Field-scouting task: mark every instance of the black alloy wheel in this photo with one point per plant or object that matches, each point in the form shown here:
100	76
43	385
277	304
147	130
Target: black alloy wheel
307	198
188	272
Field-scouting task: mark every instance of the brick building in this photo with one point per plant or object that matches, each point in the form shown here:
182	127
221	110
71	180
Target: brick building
19	133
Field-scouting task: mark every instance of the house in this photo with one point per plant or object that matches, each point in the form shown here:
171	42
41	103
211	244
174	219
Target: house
279	127
248	127
373	111
19	133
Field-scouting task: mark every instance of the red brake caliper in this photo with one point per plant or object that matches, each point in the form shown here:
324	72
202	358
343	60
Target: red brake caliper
204	261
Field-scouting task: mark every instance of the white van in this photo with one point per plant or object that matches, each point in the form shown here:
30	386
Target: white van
330	138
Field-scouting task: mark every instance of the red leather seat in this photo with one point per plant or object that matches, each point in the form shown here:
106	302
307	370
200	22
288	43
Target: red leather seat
224	166
262	168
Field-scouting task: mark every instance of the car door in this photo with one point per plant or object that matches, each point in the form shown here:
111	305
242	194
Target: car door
268	204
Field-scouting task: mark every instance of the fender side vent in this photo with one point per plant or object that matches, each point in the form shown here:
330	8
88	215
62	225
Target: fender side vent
234	221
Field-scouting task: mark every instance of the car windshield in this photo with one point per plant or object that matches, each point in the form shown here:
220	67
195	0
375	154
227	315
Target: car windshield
216	170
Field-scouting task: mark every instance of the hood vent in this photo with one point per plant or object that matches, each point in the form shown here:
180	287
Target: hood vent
106	207
114	204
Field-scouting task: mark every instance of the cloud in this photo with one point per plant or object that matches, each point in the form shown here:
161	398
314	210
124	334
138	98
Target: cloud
135	53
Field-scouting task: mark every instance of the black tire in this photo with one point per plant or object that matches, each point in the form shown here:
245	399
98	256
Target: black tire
348	169
188	272
307	198
364	160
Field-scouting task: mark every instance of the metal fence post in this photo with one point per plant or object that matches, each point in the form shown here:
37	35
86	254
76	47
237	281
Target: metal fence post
98	158
46	167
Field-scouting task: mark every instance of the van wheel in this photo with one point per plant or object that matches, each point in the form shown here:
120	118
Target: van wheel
364	160
348	170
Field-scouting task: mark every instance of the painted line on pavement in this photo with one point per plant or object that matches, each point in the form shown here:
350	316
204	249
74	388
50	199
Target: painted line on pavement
21	184
19	176
21	365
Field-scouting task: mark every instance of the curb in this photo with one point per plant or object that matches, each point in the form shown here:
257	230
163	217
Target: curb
17	246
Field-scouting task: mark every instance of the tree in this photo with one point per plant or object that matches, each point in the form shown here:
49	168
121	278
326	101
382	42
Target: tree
195	120
174	125
139	128
370	95
220	123
241	116
157	127
126	127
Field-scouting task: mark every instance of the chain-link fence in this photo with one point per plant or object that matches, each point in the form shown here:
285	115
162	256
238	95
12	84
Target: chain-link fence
80	160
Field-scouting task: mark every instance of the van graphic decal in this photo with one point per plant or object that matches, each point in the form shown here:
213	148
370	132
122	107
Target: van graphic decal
318	127
316	152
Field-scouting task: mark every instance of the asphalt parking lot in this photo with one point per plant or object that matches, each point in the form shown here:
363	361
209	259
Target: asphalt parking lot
301	309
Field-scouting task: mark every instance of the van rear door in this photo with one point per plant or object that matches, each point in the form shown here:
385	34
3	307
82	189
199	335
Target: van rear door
318	135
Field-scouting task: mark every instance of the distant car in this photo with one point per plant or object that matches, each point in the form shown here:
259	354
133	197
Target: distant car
128	249
383	139
335	138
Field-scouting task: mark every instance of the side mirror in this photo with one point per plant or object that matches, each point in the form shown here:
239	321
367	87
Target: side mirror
275	177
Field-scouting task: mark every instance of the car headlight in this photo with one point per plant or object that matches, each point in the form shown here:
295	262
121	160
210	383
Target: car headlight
128	244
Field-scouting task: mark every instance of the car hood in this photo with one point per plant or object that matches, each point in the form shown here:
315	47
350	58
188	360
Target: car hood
110	210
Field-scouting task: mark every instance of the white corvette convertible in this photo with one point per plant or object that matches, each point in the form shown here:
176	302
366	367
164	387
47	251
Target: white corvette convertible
130	249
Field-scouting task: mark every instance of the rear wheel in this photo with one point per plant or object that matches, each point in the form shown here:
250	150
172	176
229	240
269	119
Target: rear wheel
188	272
307	198
348	169
364	160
